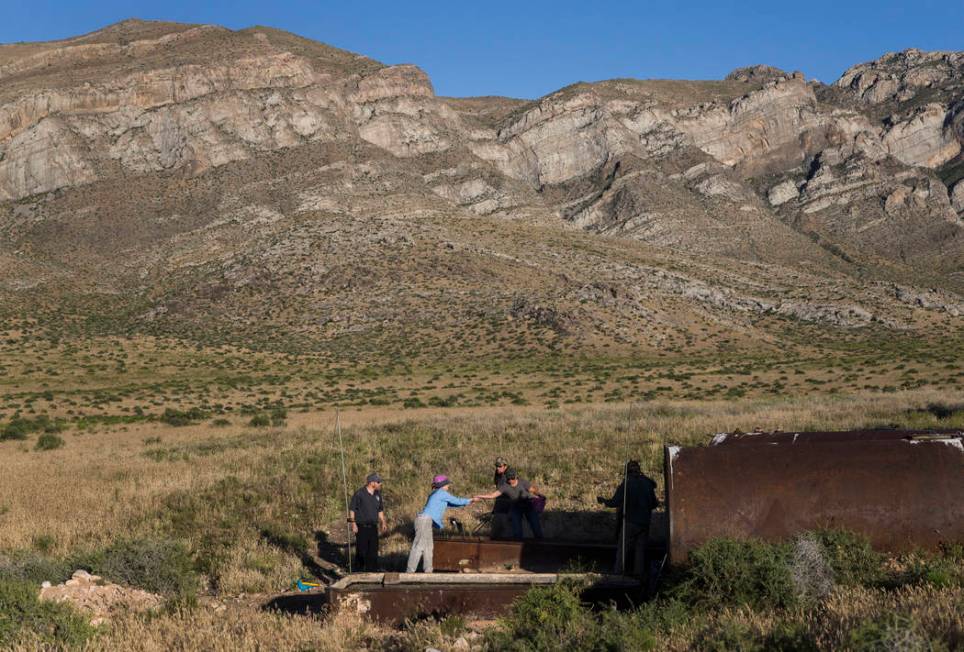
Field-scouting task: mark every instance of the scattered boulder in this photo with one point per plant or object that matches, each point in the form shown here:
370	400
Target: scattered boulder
755	73
957	196
783	192
99	599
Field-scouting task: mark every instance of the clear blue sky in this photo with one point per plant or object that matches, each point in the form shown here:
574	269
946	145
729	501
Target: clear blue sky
529	48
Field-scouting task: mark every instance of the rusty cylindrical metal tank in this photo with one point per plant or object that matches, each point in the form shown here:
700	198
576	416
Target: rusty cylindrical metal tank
900	489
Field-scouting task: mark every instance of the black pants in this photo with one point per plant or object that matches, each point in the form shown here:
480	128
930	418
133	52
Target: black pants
637	537
366	548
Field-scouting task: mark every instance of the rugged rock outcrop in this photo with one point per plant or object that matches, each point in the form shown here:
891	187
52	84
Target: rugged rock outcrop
268	166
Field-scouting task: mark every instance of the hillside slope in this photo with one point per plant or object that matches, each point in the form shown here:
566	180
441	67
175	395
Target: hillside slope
256	185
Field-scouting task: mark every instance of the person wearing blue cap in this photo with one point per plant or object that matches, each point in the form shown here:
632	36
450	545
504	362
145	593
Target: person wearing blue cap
366	513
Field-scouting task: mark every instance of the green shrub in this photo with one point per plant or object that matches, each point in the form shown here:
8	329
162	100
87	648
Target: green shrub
663	614
888	632
790	637
43	543
34	568
553	618
157	565
545	618
48	442
179	418
220	423
729	635
724	572
18	428
939	571
852	560
260	421
21	610
278	417
726	636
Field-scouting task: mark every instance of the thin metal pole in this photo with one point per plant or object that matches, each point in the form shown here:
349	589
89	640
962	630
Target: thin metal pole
623	528
344	480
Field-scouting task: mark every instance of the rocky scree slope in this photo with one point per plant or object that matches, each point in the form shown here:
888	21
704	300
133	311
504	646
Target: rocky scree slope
255	179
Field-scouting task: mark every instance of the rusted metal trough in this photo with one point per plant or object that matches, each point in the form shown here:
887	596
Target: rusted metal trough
393	598
477	554
902	489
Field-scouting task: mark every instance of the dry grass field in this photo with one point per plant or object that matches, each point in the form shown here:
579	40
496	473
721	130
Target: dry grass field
256	508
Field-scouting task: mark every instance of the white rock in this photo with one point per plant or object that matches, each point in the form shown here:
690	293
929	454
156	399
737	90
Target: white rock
957	196
783	192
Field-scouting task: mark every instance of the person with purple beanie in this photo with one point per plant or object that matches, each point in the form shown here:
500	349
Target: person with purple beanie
429	519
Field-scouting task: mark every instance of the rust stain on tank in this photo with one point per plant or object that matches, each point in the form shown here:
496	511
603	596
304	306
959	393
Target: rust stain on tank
900	489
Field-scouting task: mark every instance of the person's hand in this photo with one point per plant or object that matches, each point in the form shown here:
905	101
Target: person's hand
354	528
384	527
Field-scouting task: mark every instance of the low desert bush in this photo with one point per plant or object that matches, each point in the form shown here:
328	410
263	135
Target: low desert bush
19	428
725	573
892	632
260	421
179	418
553	618
161	566
34	567
810	569
52	625
48	442
852	560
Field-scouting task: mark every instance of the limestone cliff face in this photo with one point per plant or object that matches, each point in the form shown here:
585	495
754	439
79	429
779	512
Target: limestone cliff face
762	166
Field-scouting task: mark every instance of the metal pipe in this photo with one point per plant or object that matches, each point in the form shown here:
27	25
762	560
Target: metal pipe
344	481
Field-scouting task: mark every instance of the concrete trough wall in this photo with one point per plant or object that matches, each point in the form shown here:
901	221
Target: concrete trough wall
900	489
393	598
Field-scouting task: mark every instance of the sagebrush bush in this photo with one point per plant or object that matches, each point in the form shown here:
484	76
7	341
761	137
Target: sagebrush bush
260	421
724	572
810	569
158	565
552	618
179	418
898	632
54	625
34	567
852	560
48	442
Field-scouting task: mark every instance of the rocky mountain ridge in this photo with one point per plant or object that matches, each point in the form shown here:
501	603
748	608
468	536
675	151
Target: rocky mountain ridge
191	168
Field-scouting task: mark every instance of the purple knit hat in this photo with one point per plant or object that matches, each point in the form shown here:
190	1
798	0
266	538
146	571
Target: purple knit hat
440	481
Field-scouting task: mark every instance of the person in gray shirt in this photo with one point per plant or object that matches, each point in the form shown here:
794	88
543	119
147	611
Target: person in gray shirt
519	493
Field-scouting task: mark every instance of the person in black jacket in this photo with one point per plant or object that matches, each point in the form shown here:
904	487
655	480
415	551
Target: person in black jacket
366	515
637	493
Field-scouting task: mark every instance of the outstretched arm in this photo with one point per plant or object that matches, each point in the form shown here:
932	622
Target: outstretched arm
494	494
615	501
456	501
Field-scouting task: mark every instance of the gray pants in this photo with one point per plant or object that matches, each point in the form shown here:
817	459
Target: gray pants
423	546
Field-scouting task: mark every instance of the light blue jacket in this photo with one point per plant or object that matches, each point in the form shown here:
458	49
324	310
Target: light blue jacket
438	501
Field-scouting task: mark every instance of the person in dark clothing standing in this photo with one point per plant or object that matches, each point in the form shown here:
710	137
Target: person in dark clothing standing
502	505
638	493
366	515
